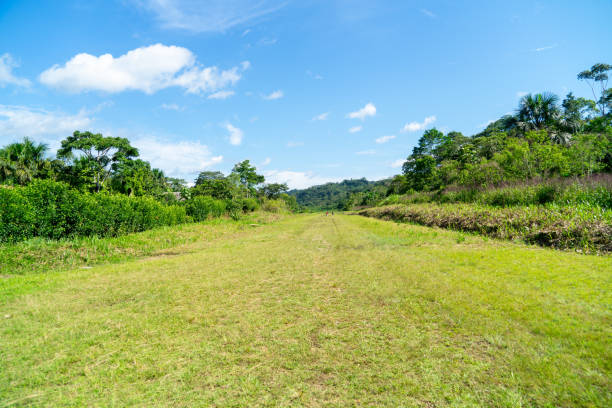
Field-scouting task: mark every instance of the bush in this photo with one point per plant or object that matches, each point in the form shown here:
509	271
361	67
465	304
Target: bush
16	216
249	204
200	208
53	210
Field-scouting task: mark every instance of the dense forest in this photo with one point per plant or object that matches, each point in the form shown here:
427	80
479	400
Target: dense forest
342	195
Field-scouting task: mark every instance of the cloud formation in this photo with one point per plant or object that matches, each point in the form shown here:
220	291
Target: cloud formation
274	95
368	110
182	159
322	116
355	129
385	139
296	179
416	126
21	121
210	15
7	63
235	134
221	95
146	69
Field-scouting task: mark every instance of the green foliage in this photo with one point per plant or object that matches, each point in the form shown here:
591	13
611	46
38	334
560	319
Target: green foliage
249	204
201	208
53	210
98	152
335	195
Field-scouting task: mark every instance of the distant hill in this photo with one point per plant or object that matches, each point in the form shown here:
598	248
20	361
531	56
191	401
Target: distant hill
333	195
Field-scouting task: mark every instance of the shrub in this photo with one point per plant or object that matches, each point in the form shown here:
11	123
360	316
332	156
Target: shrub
53	210
199	208
16	216
249	204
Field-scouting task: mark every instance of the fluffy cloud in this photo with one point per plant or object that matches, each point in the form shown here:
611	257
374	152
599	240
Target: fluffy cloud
274	95
6	72
266	161
296	179
397	163
177	159
221	95
235	134
322	116
385	139
21	121
416	126
210	15
146	69
355	129
368	110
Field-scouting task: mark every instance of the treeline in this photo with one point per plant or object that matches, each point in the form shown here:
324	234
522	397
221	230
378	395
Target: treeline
96	186
342	195
543	139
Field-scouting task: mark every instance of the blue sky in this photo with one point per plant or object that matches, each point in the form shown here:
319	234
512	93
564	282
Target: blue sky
309	91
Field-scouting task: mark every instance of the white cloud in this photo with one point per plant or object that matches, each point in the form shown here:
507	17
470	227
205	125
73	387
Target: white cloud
428	13
355	129
295	144
177	159
171	106
296	179
520	94
210	15
385	139
397	163
235	134
221	95
368	110
21	121
366	152
548	47
322	116
267	41
266	161
274	95
7	63
146	69
416	126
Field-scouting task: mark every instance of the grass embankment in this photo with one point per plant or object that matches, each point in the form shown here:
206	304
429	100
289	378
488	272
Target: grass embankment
315	311
588	229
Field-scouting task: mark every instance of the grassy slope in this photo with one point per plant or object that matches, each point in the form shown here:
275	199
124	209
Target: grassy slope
316	311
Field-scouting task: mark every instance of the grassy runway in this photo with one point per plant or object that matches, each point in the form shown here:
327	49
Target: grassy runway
315	311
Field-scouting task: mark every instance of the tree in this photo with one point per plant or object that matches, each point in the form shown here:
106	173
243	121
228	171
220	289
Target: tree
575	111
538	112
247	176
598	74
208	175
101	152
274	190
21	162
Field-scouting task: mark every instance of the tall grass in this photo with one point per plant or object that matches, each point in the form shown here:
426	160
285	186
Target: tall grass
593	191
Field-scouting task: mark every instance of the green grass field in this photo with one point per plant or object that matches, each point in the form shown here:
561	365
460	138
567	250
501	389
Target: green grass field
314	311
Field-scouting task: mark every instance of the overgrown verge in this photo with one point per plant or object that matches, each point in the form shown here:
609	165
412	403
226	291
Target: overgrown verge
595	190
584	228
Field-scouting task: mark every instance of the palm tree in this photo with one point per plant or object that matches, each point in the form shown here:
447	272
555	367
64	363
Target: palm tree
538	112
20	162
